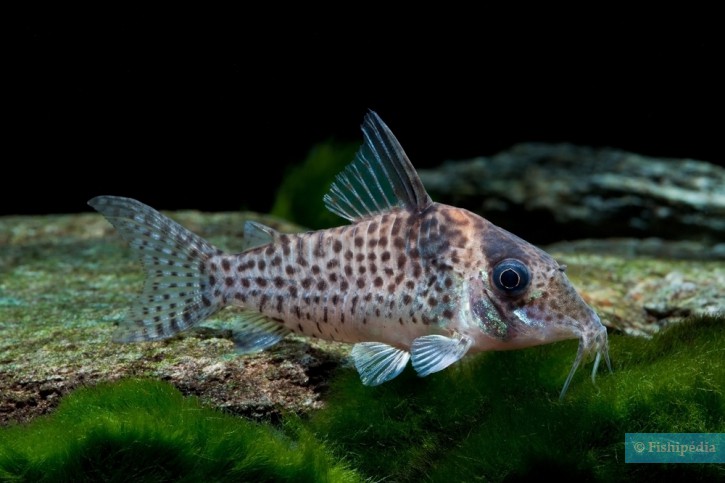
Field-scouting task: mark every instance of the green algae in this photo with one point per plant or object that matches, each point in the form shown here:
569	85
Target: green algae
147	431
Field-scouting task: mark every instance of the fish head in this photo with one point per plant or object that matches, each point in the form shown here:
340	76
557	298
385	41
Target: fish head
521	297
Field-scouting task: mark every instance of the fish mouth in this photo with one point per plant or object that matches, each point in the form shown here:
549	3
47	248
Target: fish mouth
592	339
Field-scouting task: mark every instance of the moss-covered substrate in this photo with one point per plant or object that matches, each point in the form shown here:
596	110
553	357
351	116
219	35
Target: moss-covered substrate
495	417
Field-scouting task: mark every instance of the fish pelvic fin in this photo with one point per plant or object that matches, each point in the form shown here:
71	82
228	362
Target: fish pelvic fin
377	362
177	293
433	353
380	178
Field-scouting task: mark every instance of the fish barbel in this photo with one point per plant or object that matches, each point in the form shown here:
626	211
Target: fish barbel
408	279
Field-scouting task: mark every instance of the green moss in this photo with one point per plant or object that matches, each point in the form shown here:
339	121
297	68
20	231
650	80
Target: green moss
147	431
497	416
299	198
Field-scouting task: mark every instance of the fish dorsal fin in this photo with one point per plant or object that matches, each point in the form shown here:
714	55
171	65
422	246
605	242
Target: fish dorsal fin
377	362
256	234
433	353
379	179
256	332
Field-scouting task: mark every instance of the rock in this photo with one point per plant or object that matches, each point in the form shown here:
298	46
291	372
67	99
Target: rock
546	193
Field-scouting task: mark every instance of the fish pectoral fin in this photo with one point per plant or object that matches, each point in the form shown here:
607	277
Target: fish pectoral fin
380	178
377	362
256	234
433	353
257	332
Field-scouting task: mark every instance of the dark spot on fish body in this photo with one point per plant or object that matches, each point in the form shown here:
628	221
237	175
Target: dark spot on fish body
383	241
297	311
372	227
353	304
417	270
360	282
361	269
315	269
348	270
359	241
348	255
388	271
306	283
368	297
269	251
228	281
385	256
299	327
432	301
292	291
391	288
324	315
279	282
428	320
319	245
335	299
226	266
240	296
212	280
397	225
276	261
372	256
205	301
359	257
402	260
321	285
334	263
262	282
280	302
332	277
337	246
373	268
399	242
344	285
378	282
245	282
289	270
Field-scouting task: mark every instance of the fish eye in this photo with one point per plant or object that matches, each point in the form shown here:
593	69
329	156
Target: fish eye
511	276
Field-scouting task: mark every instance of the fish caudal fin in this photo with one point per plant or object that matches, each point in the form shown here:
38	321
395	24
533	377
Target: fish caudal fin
176	294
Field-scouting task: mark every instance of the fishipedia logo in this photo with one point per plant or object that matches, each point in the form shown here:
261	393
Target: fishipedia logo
674	448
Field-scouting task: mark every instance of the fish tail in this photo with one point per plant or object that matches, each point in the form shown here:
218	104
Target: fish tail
177	293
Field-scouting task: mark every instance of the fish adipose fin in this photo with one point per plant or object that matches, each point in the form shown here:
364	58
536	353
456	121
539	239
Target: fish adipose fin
256	332
175	294
377	362
433	353
380	178
256	234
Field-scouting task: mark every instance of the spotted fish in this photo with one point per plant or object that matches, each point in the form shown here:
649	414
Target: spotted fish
406	280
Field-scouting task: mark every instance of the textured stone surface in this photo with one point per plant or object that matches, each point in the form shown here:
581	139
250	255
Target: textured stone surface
546	193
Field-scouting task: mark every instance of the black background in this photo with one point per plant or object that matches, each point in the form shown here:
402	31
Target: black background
205	116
